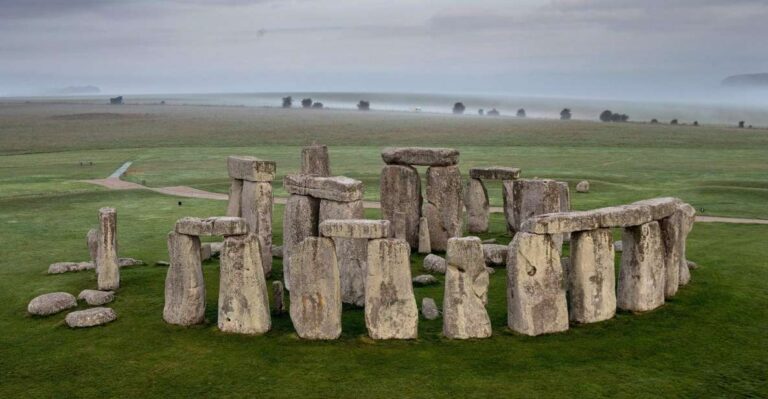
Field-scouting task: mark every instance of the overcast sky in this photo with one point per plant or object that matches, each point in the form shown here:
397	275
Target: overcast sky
587	48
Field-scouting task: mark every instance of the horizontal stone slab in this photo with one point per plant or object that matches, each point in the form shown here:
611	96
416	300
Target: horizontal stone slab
213	226
336	188
623	215
494	173
420	156
561	222
355	228
661	207
251	168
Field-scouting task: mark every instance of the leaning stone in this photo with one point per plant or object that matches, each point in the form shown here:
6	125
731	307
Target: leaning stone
96	297
429	309
494	173
184	284
107	269
128	262
661	207
90	317
300	219
277	251
420	156
688	219
243	297
561	222
424	279
536	299
582	186
48	304
671	231
355	228
425	246
315	160
591	277
257	212
351	253
278	295
390	306
495	254
623	215
235	193
466	291
93	244
434	264
445	205
315	290
338	188
251	168
641	280
401	192
476	201
64	267
529	197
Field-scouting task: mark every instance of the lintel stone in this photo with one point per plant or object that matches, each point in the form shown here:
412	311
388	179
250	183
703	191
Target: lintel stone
251	168
355	228
494	173
420	156
337	188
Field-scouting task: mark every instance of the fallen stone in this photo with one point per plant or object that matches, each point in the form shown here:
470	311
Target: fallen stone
48	304
425	279
582	186
641	280
243	296
692	265
184	284
338	188
390	306
495	254
466	291
96	297
257	211
429	309
400	188
445	205
355	228
90	317
688	219
489	241
234	204
434	264
591	277
93	244
527	198
561	222
494	173
425	246
660	207
300	220
277	251
278	294
251	168
128	262
476	201
420	156
315	160
213	226
351	253
623	215
162	263
64	267
107	268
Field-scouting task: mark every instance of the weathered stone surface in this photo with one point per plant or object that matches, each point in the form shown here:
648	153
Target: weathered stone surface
565	196
561	222
429	309
315	160
216	248
107	269
424	279
444	209
315	290
257	212
351	253
355	228
277	251
90	317
466	291
128	262
278	295
420	156
671	232
184	285
401	192
495	254
251	168
618	246
93	244
591	277
337	188
536	299
434	264
399	226
390	306
478	208
96	297
641	280
582	186
243	297
692	265
205	252
300	220
64	267
425	246
494	173
213	226
688	218
661	207
48	304
623	215
527	198
234	204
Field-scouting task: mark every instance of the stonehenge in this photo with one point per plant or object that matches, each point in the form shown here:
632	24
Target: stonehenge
476	196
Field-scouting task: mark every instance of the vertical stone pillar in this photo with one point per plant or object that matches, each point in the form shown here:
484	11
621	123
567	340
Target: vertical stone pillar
425	246
401	192
107	269
565	203
315	160
591	277
641	280
243	297
351	253
688	219
478	208
507	196
466	290
93	245
536	302
235	197
671	232
257	211
390	306
300	220
529	197
278	293
184	285
444	208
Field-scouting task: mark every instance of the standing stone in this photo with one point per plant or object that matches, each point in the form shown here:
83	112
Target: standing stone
351	253
429	309
466	291
424	245
536	302
530	197
399	228
278	293
565	196
184	285
315	290
444	209
641	280
401	192
507	196
315	160
671	231
591	277
235	196
243	297
688	218
257	212
107	269
93	244
476	200
582	186
300	220
390	306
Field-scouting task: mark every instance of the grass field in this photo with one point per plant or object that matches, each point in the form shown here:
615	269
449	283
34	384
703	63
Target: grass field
709	341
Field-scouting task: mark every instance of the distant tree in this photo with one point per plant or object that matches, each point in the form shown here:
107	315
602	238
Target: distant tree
287	102
317	105
521	113
481	112
494	112
654	121
565	114
306	103
749	127
673	122
116	100
364	105
606	116
696	123
741	125
624	118
458	108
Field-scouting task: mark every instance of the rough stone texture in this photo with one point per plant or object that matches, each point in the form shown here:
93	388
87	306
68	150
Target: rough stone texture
90	317
277	251
257	212
671	231
235	196
660	207
420	156
355	228
107	269
618	246
565	196
300	220
93	244
466	291
278	295
48	304
315	290
527	198
251	169
390	306
494	173
444	209
127	262
582	186
536	299
216	248
213	226
337	188
425	246
688	218
401	192
399	226
641	280
184	285
315	160
424	279
429	309
64	267
623	215
478	208
243	297
205	252
561	222
591	277
96	297
351	253
495	254
434	264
